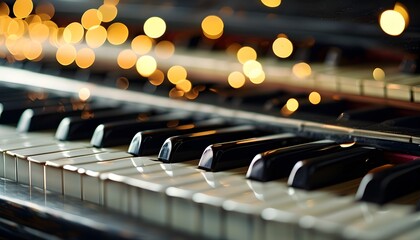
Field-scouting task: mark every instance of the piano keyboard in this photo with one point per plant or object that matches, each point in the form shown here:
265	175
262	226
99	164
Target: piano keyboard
238	175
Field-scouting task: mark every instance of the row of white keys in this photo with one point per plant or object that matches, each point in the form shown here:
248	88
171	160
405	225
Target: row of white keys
54	177
359	221
88	174
21	157
8	163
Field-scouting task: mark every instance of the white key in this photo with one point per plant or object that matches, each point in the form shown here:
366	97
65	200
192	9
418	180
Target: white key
182	206
54	177
37	163
379	224
284	218
21	155
9	167
92	186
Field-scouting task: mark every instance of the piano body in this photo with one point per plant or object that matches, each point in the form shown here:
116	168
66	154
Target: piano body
232	119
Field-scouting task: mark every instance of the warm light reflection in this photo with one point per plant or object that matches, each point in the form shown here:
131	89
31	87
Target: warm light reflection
271	3
245	54
212	26
157	77
176	74
117	33
378	74
154	27
127	59
96	36
142	44
73	33
399	7
46	10
146	65
302	70
292	104
314	98
32	50
282	47
252	69
392	22
164	49
22	8
346	145
38	32
4	9
85	57
84	94
184	85
91	18
175	93
66	54
258	79
236	79
108	11
122	83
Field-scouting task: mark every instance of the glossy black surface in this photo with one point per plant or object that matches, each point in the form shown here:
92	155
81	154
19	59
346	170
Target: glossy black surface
386	185
37	119
278	163
150	141
334	168
191	146
10	112
235	154
121	132
82	127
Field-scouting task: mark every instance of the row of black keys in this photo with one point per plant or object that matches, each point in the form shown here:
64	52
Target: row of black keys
219	144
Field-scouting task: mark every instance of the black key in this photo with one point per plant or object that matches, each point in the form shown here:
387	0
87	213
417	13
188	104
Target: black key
10	112
37	119
191	146
121	132
150	141
235	154
334	168
389	184
82	127
278	163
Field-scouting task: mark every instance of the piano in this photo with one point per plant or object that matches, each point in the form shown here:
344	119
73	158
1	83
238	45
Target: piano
234	119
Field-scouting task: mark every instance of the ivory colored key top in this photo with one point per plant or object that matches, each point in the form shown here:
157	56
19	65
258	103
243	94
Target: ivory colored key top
88	175
282	220
118	195
382	224
37	162
8	168
402	89
21	155
244	209
54	172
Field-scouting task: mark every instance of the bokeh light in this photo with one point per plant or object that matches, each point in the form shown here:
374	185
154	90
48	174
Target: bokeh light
314	98
271	3
282	47
126	59
96	36
91	18
392	22
302	70
236	79
22	8
154	27
378	74
84	94
146	65
142	44
157	77
176	74
108	11
245	54
85	57
117	33
73	33
66	54
164	49
212	26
